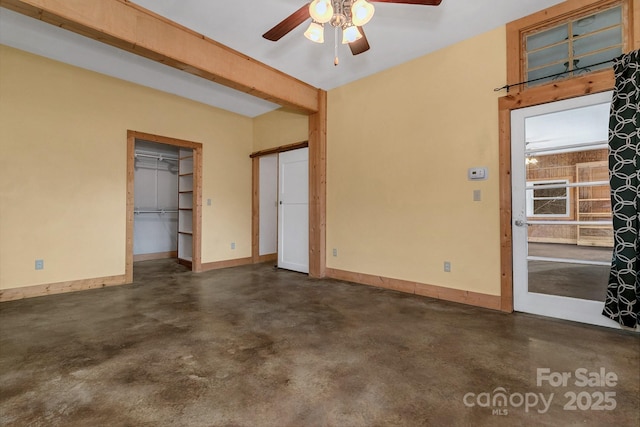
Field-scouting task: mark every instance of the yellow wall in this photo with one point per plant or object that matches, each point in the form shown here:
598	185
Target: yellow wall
63	169
279	127
398	200
399	145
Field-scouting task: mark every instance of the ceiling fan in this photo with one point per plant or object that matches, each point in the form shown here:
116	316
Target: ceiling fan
348	15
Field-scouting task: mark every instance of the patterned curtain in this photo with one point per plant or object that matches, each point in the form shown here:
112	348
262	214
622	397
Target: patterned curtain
623	292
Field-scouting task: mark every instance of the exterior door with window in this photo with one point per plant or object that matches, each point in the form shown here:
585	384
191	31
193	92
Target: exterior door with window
562	230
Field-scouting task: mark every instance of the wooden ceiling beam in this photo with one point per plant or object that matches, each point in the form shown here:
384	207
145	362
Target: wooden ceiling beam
130	27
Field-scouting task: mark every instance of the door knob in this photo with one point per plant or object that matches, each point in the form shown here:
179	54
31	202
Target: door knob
520	223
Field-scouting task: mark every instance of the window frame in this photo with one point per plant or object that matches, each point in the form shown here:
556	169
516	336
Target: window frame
572	58
562	13
530	198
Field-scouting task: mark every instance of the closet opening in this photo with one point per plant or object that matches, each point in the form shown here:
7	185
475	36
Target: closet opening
164	182
155	214
284	242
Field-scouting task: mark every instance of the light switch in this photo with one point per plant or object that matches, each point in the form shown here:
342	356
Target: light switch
477	195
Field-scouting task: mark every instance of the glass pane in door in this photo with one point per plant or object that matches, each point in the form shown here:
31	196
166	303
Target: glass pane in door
568	206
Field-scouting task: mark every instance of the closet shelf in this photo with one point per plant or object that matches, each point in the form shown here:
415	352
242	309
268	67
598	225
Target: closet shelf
185	206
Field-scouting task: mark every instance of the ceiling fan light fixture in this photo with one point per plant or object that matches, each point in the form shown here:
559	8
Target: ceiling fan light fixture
350	34
361	12
321	10
315	32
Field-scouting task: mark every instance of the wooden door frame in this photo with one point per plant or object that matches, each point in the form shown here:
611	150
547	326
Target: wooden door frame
599	81
585	85
317	144
132	136
255	198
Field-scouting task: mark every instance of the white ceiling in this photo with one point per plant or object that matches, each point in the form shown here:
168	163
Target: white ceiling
397	33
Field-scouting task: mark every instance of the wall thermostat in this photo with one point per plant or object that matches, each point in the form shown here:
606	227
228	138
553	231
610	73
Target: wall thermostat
477	174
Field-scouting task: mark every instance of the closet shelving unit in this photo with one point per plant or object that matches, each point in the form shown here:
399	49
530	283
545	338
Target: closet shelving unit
594	204
185	207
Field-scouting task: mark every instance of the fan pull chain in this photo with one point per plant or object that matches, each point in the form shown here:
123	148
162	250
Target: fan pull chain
336	61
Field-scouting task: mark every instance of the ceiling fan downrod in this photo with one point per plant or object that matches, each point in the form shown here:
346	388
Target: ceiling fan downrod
339	18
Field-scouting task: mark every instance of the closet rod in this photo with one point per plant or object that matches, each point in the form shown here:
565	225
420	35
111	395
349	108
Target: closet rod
155	156
160	211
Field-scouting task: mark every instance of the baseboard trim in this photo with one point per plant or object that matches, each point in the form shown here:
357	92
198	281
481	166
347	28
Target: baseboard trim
60	287
266	258
454	295
423	289
226	263
155	255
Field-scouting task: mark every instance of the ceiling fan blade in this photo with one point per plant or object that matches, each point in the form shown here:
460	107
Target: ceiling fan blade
422	2
288	24
361	45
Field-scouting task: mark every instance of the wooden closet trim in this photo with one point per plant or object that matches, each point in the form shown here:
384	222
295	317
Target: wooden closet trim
280	149
317	144
255	197
196	265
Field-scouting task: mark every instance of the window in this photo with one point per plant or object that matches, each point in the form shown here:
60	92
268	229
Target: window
577	37
551	199
577	46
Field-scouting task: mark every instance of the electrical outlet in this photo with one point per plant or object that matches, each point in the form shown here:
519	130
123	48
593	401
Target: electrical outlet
208	202
233	245
447	267
335	252
39	264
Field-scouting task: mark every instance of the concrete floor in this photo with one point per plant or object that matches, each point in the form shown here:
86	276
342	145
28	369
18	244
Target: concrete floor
254	346
570	280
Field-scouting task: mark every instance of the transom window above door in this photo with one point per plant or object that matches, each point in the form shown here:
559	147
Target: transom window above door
570	45
578	46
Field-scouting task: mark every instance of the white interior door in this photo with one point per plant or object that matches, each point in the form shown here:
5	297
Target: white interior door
293	210
561	229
